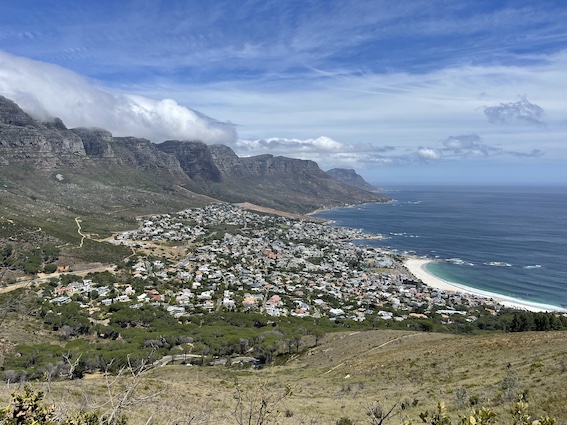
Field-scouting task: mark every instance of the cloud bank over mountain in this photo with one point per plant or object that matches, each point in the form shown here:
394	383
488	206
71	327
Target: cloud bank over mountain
45	91
420	86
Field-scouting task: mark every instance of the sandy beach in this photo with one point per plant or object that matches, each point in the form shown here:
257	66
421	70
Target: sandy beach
417	267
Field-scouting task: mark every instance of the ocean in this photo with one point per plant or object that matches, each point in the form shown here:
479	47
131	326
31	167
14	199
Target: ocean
510	241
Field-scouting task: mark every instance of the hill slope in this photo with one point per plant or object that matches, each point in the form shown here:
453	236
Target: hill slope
350	373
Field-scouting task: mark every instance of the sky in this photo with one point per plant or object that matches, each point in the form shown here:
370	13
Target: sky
404	92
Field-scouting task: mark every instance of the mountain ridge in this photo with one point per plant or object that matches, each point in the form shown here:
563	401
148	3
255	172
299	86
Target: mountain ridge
51	174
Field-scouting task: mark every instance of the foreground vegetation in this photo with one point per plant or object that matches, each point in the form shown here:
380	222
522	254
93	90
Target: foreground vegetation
81	341
353	376
28	407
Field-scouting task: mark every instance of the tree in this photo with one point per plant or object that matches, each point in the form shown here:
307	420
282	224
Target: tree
50	268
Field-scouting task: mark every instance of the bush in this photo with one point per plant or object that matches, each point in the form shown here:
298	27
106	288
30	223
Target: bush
28	408
50	268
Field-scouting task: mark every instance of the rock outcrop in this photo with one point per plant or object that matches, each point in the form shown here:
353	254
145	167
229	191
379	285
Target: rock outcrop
195	159
45	144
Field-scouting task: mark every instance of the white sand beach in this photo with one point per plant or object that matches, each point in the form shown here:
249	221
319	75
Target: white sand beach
417	267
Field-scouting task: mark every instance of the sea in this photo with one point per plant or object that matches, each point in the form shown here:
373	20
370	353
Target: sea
510	241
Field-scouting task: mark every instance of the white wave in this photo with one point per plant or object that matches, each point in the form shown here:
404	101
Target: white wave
498	264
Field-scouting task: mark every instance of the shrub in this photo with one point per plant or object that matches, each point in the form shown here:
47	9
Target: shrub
50	268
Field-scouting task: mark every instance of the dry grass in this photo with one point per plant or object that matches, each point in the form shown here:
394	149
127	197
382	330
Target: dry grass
350	371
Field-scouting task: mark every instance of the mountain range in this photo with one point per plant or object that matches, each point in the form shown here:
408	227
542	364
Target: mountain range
51	174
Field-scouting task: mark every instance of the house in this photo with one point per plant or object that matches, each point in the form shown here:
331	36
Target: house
175	310
67	290
61	300
209	305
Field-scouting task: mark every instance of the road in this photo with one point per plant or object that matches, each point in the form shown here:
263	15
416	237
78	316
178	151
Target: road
25	283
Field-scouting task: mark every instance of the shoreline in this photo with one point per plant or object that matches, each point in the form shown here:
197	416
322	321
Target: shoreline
347	206
418	267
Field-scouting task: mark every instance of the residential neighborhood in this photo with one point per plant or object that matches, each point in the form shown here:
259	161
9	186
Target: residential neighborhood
225	258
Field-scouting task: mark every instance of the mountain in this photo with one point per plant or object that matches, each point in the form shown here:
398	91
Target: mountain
50	175
351	177
279	182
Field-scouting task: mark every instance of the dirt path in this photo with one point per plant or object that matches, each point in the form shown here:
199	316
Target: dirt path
375	348
79	230
45	278
253	207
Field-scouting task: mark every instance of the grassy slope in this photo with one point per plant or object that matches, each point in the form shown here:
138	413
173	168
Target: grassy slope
349	371
38	208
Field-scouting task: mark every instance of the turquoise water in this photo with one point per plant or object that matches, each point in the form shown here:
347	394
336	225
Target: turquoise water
506	240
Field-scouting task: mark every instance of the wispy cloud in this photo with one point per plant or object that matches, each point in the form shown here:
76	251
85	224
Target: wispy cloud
535	153
296	146
205	41
331	153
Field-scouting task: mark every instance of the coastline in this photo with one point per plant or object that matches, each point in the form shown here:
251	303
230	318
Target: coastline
336	207
417	267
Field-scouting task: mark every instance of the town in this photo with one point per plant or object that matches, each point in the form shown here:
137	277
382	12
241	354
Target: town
226	258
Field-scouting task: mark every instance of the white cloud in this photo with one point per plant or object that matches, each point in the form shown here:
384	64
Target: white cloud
461	142
522	111
321	145
469	146
46	90
327	152
429	153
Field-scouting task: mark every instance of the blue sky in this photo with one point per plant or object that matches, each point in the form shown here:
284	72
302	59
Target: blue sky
403	92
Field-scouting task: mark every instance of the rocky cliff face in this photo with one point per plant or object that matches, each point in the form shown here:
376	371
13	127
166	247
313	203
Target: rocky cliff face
350	177
143	154
262	165
23	138
195	159
96	142
282	183
49	145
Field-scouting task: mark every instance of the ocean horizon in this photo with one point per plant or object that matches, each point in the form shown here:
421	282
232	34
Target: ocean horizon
506	240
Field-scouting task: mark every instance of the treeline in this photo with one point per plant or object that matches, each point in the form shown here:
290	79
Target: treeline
526	321
148	333
507	320
510	320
